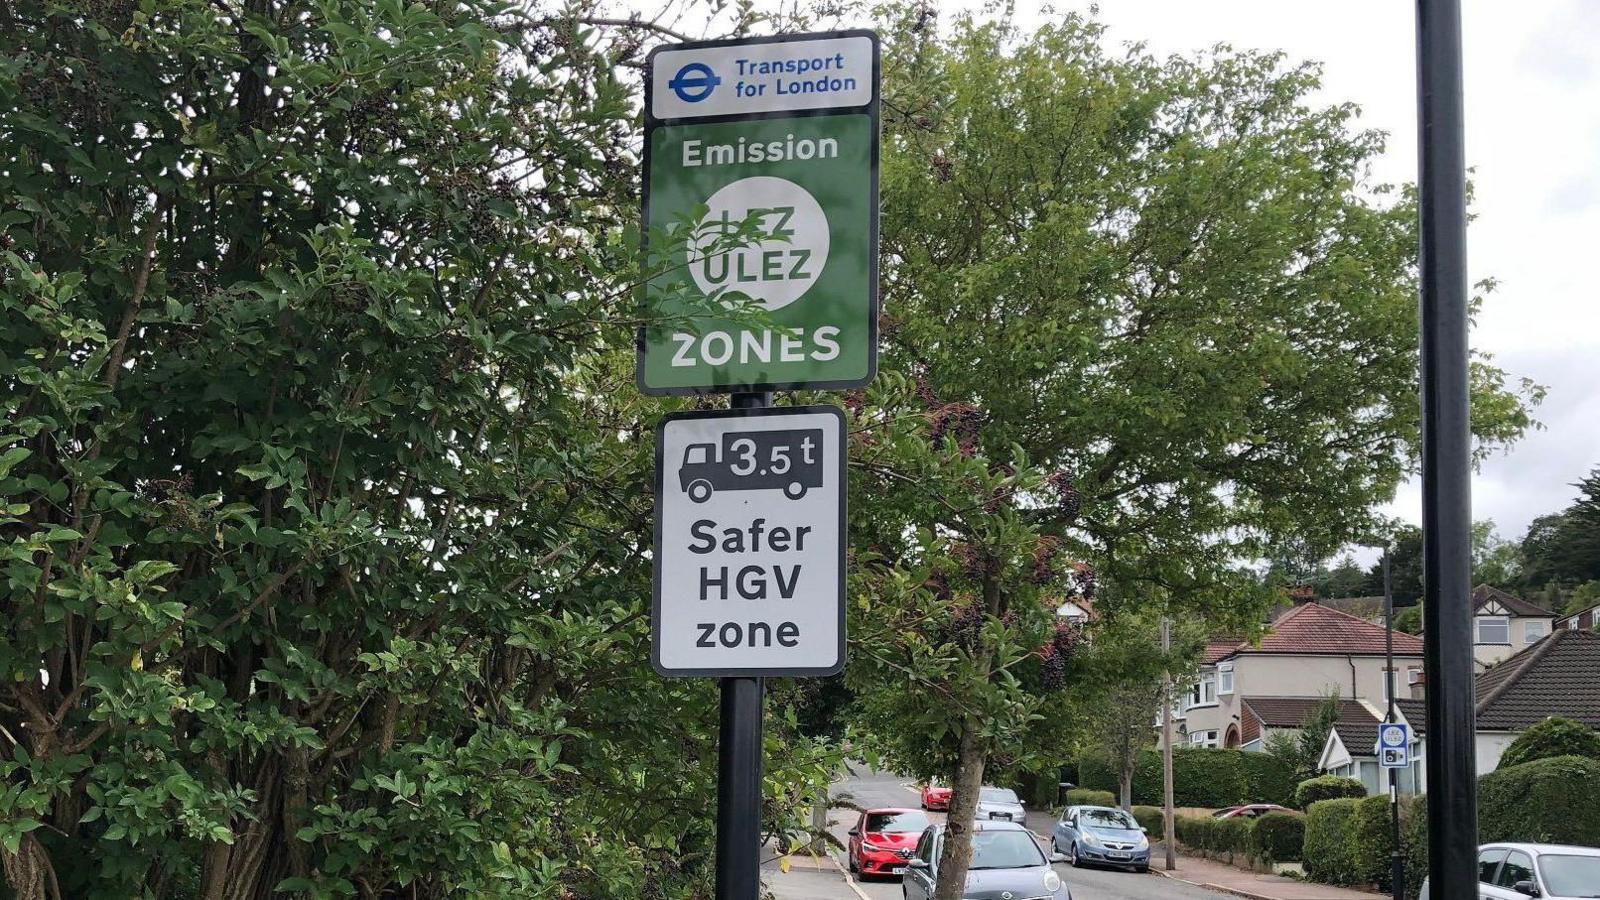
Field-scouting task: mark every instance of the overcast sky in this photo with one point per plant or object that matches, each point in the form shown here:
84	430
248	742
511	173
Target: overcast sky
1533	137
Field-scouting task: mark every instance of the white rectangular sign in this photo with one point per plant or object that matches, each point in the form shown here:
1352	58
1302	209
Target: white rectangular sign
766	75
749	542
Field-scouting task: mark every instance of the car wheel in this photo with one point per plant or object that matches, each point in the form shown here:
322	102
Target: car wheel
1142	870
851	863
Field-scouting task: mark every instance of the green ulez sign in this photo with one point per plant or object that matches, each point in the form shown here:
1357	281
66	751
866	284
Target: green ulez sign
769	214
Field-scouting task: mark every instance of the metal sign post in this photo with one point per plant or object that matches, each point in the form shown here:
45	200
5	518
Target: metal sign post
761	180
1446	456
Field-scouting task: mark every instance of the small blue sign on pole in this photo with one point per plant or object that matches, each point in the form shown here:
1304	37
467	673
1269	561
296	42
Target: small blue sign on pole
1394	745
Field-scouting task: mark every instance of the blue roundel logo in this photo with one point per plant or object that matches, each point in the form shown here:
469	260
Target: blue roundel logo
694	82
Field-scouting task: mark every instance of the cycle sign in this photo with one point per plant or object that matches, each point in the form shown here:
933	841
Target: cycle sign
749	542
761	206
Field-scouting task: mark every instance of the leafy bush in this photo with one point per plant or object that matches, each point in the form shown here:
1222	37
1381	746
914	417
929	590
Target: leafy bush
1327	787
1555	736
1547	800
1278	837
1215	835
1086	797
1149	818
1327	847
1201	777
1371	841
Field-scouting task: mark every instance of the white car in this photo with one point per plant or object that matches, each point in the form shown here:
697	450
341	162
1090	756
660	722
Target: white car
1551	871
1000	803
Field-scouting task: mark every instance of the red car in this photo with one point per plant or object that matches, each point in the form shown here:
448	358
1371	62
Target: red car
882	840
935	796
1249	811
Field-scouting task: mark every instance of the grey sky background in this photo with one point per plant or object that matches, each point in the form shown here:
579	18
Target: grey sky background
1533	140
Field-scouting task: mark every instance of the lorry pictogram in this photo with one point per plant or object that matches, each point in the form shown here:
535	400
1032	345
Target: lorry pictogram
788	460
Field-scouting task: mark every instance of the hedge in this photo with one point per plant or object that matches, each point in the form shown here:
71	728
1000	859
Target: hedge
1327	787
1223	836
1371	842
1208	778
1086	797
1149	818
1555	801
1278	837
1549	800
1555	736
1328	847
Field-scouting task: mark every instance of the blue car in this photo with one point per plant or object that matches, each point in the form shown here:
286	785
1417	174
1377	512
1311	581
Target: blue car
1101	835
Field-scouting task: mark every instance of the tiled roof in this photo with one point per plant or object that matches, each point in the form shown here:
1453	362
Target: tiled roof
1415	711
1558	676
1292	712
1312	628
1483	594
1217	648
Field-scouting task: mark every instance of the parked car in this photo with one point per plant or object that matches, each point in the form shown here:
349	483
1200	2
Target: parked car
1249	811
1101	834
1006	862
1551	871
999	803
935	796
882	840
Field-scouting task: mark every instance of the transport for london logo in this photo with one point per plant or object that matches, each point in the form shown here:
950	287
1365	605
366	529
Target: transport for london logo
694	82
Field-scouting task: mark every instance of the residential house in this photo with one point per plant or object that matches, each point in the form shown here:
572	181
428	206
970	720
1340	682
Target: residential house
1583	620
1309	652
1351	748
1504	624
1558	676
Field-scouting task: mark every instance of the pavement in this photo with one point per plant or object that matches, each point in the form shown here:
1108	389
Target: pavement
830	881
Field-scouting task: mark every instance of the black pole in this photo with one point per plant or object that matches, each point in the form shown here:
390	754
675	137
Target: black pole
1397	858
1446	455
739	767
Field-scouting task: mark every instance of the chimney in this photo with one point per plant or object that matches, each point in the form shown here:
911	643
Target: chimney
1302	593
1419	688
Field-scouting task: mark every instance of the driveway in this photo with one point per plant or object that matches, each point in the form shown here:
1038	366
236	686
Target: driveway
869	789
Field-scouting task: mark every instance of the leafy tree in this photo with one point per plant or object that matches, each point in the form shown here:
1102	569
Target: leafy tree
323	487
1164	283
1301	750
1555	736
1564	548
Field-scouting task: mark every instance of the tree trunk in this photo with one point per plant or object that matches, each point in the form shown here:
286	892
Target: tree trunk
28	871
956	856
1126	782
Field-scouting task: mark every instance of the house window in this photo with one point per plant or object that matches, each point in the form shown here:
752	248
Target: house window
1494	630
1203	738
1225	678
1532	631
1572	624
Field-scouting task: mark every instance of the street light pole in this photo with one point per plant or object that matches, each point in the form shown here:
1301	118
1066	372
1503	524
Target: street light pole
1397	859
1167	835
1446	455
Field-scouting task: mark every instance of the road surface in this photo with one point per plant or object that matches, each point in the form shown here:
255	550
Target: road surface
871	789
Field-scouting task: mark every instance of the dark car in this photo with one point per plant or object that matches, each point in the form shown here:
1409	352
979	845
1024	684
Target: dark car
1006	863
1102	835
882	840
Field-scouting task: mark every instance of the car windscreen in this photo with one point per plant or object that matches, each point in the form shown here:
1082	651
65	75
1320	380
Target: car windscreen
896	822
1106	818
1004	850
1570	876
998	795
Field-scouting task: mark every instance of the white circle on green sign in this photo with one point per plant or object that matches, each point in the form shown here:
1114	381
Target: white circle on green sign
776	270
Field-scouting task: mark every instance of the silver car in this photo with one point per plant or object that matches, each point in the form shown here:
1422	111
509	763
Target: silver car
999	803
1551	871
1007	864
